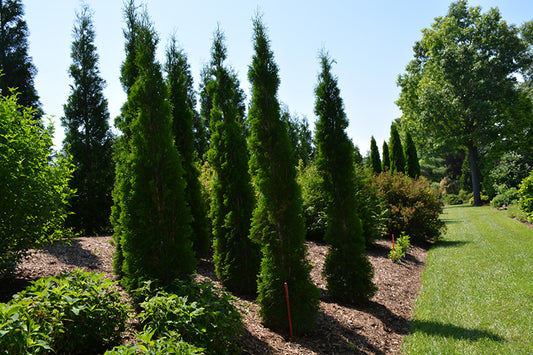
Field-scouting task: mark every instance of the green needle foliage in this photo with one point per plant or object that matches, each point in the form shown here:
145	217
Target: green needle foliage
375	161
397	159
347	269
155	218
88	138
16	66
236	256
178	74
277	219
386	158
412	166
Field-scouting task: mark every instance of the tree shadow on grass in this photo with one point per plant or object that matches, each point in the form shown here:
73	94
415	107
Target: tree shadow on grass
73	254
452	331
451	243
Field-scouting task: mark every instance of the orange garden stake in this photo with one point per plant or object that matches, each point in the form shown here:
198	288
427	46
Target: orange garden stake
288	307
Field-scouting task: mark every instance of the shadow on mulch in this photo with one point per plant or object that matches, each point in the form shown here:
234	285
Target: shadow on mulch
74	254
10	285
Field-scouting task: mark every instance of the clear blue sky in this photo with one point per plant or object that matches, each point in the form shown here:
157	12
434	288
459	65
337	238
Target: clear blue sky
371	42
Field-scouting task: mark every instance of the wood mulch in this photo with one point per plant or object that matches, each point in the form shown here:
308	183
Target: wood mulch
376	327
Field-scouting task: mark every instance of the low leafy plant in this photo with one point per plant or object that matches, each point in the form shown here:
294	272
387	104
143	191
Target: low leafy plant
400	248
505	198
453	199
201	314
484	199
526	197
169	343
73	313
465	195
514	211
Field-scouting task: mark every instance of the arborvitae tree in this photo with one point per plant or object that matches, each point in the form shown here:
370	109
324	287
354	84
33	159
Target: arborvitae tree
277	220
375	161
347	269
128	75
397	159
154	215
386	158
358	158
179	87
16	65
88	138
236	256
300	135
412	166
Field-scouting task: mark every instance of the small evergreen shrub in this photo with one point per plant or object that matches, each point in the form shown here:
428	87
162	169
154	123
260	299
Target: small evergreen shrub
526	197
74	313
169	343
412	206
453	199
400	248
202	315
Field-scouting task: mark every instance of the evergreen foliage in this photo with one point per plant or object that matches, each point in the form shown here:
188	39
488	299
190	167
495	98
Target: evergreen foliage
155	219
88	138
179	86
397	159
412	166
347	269
386	158
17	69
277	219
300	135
465	181
34	189
375	161
236	256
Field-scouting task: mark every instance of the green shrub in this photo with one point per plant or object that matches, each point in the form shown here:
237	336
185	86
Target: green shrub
314	201
465	195
514	211
453	199
526	196
506	198
202	315
74	313
484	199
412	206
169	343
400	248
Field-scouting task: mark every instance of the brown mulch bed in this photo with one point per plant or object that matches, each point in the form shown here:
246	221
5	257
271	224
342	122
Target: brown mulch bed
374	328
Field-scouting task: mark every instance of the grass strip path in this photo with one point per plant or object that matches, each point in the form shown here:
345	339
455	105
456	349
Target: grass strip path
477	289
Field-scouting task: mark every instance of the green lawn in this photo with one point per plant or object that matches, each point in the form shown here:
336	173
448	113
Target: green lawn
477	289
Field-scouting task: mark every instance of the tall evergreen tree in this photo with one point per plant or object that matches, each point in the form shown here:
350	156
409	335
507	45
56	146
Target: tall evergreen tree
412	166
375	161
347	269
236	256
277	219
397	159
154	215
128	75
386	158
179	82
16	65
299	134
88	138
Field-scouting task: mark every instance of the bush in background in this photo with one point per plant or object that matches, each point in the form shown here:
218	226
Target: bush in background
413	207
526	197
453	199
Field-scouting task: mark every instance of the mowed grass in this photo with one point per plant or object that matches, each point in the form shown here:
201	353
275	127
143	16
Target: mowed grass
477	288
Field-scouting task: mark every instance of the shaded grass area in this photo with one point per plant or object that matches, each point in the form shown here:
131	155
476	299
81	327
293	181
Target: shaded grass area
477	289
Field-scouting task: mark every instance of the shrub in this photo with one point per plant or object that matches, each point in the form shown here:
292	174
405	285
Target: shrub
526	196
170	343
400	248
34	187
508	172
514	211
465	195
484	199
412	206
506	198
313	201
202	315
74	313
453	199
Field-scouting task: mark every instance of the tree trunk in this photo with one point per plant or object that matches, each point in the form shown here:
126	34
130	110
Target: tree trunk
472	155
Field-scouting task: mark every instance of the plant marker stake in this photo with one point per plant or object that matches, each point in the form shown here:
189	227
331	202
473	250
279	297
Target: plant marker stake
288	308
393	242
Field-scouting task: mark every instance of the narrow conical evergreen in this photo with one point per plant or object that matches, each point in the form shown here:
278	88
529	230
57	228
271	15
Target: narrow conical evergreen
88	137
397	159
386	159
375	161
347	269
154	215
236	256
277	220
128	75
16	65
412	166
178	74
